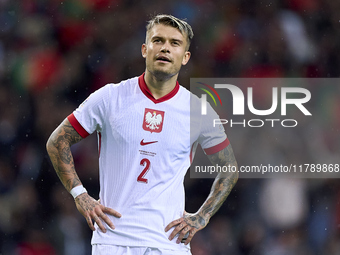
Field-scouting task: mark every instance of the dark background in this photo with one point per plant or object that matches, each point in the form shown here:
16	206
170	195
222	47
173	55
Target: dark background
54	53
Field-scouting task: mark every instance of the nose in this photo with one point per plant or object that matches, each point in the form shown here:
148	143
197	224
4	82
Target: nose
165	48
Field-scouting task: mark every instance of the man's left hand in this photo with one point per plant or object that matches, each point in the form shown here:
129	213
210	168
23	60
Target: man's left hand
190	223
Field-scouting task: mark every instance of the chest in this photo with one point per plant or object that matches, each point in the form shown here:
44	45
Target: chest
153	127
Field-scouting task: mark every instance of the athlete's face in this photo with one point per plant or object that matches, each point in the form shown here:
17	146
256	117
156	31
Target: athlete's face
165	51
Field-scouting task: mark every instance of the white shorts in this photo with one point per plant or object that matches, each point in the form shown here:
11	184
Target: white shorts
101	249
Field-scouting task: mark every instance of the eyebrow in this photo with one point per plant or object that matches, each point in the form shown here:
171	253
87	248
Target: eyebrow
177	40
171	39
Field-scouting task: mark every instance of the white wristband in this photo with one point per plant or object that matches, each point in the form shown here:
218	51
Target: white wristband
76	191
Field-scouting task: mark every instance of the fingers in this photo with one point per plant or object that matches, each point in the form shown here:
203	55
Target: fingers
89	222
111	212
183	233
100	224
192	232
177	230
106	219
173	223
99	216
92	210
182	230
97	220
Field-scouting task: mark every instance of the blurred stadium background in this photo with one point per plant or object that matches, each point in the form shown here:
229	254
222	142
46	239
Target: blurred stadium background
54	53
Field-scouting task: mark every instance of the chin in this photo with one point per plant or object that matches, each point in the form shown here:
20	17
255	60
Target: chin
162	75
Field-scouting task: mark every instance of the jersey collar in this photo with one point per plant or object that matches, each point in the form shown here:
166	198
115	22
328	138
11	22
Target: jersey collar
144	88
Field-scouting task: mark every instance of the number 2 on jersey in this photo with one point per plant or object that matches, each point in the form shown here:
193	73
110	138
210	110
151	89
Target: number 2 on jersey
146	163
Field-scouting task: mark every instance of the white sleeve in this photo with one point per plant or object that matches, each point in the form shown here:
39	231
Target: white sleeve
91	114
212	138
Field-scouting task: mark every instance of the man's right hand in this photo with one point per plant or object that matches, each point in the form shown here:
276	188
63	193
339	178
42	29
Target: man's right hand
91	209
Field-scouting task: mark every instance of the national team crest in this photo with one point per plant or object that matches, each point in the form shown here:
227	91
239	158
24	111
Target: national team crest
153	120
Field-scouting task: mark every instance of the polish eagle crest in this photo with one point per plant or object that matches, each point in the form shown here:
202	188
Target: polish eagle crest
153	120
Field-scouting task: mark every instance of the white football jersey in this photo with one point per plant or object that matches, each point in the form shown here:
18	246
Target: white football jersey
145	149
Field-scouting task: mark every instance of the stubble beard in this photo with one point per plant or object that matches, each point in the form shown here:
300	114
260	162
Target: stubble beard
161	75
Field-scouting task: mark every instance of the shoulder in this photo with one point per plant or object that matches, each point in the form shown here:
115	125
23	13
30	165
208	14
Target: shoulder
189	95
124	84
111	91
194	102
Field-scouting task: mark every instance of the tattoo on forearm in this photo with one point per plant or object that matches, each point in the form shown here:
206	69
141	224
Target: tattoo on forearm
66	155
60	153
222	185
220	190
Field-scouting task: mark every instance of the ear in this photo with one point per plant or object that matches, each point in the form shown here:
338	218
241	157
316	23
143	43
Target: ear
186	58
144	50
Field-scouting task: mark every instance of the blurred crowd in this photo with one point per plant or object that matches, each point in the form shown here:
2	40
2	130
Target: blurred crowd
54	53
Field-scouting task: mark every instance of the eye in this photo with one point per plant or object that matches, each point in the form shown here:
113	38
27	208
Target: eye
176	43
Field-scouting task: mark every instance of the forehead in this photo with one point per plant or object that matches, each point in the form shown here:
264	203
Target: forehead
165	31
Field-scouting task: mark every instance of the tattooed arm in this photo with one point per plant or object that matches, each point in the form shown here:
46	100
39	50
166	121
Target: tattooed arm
59	149
189	224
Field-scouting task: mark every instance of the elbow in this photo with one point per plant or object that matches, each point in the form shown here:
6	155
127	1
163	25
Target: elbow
49	145
237	174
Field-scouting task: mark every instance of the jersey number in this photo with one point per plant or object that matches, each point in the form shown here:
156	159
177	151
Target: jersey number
146	163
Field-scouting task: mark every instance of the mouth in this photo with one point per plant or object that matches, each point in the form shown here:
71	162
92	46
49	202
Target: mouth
163	59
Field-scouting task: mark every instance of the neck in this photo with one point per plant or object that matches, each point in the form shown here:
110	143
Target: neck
160	87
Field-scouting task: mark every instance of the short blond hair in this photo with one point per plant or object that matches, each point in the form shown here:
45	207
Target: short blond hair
169	20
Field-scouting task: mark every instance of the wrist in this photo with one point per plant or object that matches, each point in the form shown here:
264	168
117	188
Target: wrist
76	191
205	216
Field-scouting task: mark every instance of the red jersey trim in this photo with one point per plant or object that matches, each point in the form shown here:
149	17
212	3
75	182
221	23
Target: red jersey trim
217	148
76	125
144	88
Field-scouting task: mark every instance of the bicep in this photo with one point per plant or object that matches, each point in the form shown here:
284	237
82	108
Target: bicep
224	157
64	134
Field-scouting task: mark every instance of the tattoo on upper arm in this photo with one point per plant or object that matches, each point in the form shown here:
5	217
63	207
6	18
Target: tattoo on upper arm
66	132
223	157
62	139
65	136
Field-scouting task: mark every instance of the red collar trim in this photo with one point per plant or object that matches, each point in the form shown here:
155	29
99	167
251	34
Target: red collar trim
144	88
